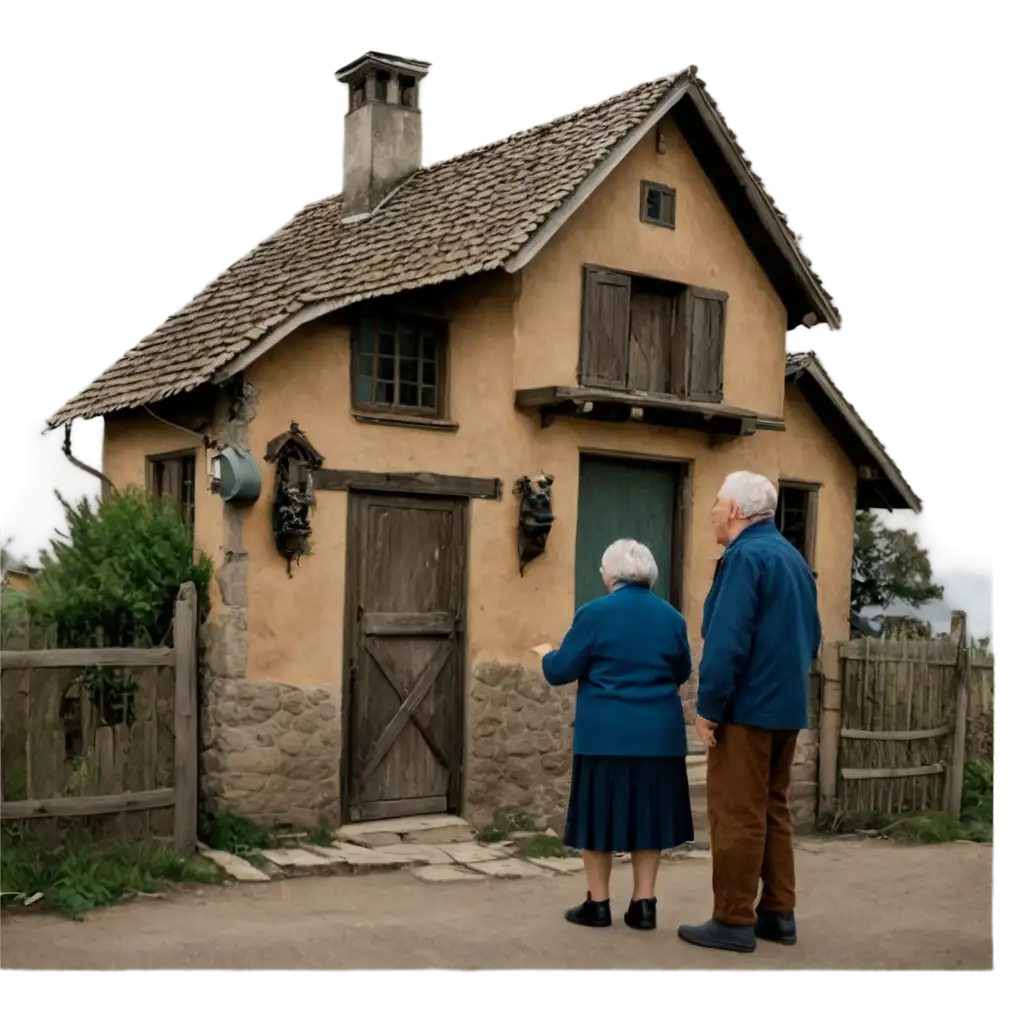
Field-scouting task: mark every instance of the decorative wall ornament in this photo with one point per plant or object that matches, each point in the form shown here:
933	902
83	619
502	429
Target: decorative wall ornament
535	516
295	460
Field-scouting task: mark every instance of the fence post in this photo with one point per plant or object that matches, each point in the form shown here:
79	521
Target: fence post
829	724
955	776
186	734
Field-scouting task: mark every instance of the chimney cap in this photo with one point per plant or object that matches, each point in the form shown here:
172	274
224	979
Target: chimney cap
373	61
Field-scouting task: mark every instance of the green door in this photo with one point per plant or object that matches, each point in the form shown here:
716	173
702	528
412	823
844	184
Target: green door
624	498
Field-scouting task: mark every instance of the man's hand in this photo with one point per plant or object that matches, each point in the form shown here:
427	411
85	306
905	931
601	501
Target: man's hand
706	732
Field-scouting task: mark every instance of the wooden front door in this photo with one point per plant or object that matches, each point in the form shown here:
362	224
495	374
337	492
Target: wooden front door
628	498
406	601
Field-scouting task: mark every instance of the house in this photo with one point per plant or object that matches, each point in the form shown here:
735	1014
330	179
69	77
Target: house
603	300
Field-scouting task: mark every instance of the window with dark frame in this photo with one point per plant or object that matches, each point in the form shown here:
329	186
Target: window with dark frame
642	334
796	516
657	204
172	478
399	366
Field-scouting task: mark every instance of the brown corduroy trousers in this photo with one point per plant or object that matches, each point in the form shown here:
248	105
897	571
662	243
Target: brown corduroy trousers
748	818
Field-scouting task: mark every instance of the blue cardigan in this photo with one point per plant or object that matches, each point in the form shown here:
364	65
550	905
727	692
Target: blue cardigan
761	632
630	654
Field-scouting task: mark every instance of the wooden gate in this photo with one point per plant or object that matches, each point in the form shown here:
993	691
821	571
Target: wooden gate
894	725
404	691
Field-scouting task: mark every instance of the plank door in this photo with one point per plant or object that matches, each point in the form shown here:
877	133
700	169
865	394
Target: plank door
406	595
627	498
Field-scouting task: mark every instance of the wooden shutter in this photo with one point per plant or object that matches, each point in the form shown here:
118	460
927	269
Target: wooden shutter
704	325
650	340
604	342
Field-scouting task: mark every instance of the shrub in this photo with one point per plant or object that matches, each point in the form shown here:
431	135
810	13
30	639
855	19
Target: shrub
117	571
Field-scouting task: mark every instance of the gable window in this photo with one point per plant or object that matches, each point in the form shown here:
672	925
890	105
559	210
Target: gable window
657	204
796	516
399	366
643	334
172	478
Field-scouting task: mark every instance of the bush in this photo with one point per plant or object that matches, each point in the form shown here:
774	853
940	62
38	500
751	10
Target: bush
117	571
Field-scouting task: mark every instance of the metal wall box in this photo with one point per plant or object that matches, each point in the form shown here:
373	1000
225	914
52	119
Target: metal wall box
239	476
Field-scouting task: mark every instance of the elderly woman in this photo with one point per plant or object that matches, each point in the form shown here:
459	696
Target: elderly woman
629	653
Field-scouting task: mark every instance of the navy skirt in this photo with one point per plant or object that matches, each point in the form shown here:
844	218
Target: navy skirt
621	804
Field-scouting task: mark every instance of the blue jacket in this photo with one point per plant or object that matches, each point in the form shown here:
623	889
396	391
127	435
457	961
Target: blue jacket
630	654
761	632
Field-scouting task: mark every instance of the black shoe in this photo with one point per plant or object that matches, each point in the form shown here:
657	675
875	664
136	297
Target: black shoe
591	913
775	927
642	915
736	938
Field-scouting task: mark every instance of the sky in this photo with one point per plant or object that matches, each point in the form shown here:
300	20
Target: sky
29	517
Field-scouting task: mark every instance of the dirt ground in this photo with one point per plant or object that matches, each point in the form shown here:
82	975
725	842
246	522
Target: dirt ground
863	906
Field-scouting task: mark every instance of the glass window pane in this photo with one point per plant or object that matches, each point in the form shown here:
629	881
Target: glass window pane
364	365
385	392
408	394
429	373
429	346
365	337
408	344
387	343
653	205
386	368
409	370
668	203
364	389
428	398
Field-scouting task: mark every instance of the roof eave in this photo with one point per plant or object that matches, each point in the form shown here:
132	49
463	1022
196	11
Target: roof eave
809	366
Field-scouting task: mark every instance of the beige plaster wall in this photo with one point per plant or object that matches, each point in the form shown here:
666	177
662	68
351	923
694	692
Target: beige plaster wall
706	248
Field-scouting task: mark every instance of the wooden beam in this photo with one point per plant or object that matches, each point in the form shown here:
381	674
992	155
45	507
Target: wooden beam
487	488
829	718
70	657
955	785
74	806
186	721
407	623
899	734
891	773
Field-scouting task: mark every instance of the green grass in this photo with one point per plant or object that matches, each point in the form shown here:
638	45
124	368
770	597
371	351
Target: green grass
235	834
320	836
79	874
507	822
541	846
975	823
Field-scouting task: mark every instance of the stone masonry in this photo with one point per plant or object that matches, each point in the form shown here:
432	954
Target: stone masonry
520	745
271	752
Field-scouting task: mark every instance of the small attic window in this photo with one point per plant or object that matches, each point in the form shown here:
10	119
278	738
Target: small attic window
358	94
380	91
657	204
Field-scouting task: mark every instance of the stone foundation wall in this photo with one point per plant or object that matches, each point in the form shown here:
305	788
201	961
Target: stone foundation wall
271	752
803	789
519	754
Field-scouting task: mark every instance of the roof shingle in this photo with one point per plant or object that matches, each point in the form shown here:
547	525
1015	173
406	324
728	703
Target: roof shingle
455	218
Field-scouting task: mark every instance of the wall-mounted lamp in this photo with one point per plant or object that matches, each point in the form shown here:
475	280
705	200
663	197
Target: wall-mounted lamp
535	516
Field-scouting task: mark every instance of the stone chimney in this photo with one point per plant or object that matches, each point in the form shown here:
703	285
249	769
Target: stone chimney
383	128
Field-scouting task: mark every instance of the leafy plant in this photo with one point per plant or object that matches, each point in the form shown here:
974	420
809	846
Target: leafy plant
235	834
888	566
79	874
507	822
115	573
320	836
541	846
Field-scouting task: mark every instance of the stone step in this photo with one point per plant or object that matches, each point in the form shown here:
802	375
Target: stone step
412	829
235	867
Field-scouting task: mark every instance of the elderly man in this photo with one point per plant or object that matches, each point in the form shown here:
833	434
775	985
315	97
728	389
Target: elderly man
761	632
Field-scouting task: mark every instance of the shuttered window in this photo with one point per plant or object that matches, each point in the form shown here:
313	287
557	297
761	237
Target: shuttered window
172	478
642	334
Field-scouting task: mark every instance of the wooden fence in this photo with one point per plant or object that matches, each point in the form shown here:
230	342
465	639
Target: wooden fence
108	732
899	719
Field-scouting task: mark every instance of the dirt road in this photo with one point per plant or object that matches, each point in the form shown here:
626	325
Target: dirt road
863	906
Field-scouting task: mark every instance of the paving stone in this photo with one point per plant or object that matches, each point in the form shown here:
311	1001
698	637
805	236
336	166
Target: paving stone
417	853
698	854
288	857
473	853
400	826
378	859
810	847
560	865
445	873
510	869
446	834
236	867
375	839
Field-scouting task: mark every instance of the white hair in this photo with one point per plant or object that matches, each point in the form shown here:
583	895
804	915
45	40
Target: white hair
629	561
755	495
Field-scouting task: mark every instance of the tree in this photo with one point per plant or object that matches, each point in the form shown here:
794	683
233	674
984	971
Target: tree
889	566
